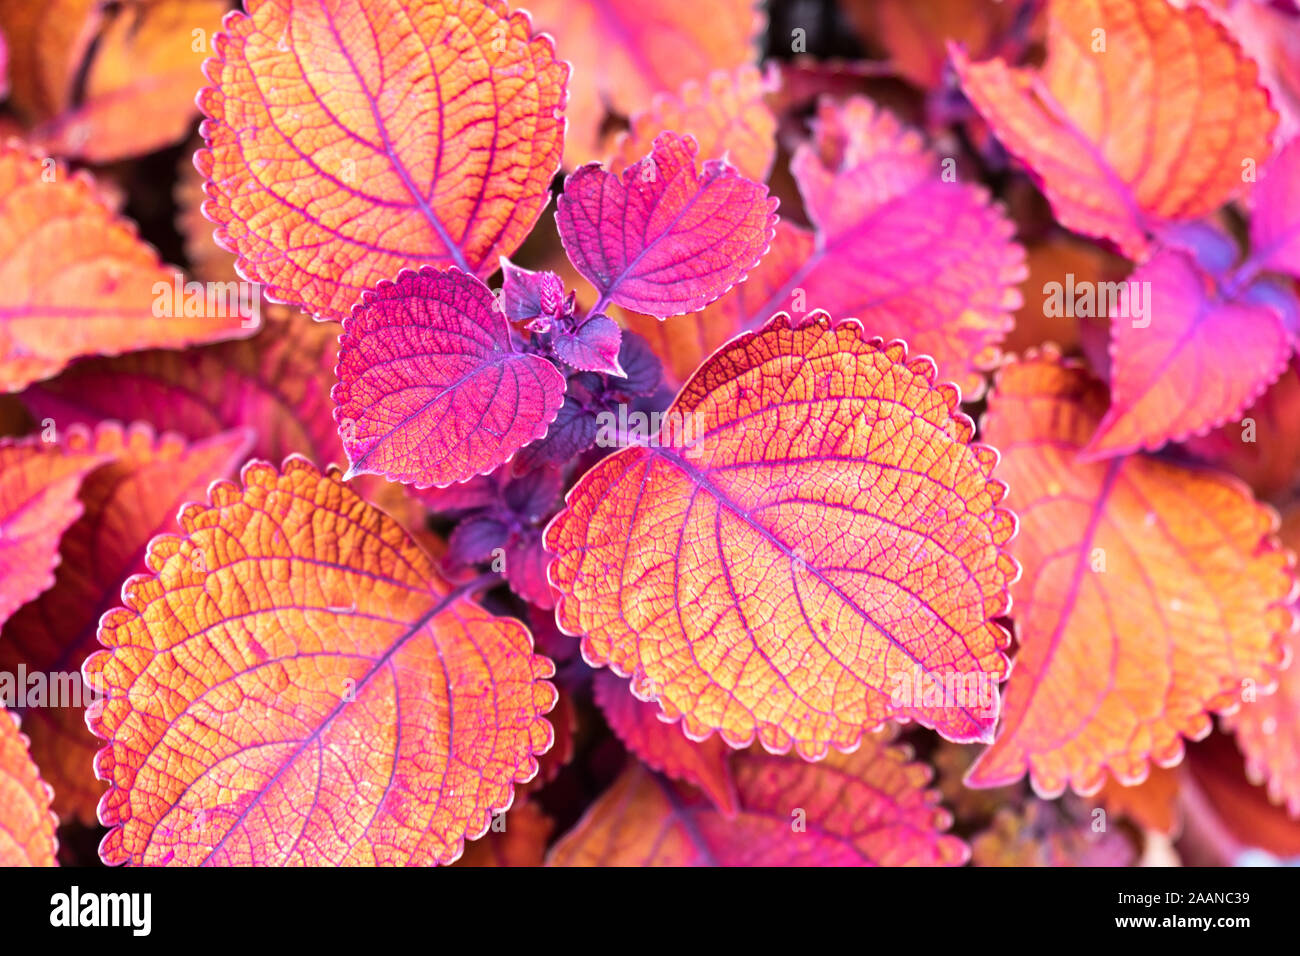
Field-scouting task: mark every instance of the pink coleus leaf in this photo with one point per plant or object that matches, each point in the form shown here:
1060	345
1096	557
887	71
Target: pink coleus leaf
1188	360
592	346
39	482
664	239
431	390
1275	213
662	746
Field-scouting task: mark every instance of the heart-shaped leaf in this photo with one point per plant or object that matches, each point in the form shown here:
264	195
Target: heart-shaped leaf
431	390
293	683
621	56
1189	362
664	239
809	546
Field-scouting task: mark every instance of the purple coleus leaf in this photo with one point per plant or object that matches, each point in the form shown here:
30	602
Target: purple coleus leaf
430	388
592	346
664	239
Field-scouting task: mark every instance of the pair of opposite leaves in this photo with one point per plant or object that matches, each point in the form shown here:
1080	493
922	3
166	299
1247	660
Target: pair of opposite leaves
1145	118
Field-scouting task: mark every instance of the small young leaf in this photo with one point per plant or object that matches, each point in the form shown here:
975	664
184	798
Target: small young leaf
592	347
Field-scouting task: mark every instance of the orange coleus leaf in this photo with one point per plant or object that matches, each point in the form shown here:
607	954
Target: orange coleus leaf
727	114
517	838
334	160
26	822
132	89
623	53
292	682
276	382
76	280
1054	260
1050	834
207	260
127	501
1268	725
868	808
1151	592
1143	112
38	501
1152	804
662	746
809	546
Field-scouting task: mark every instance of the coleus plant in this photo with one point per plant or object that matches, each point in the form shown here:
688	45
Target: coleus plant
344	578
